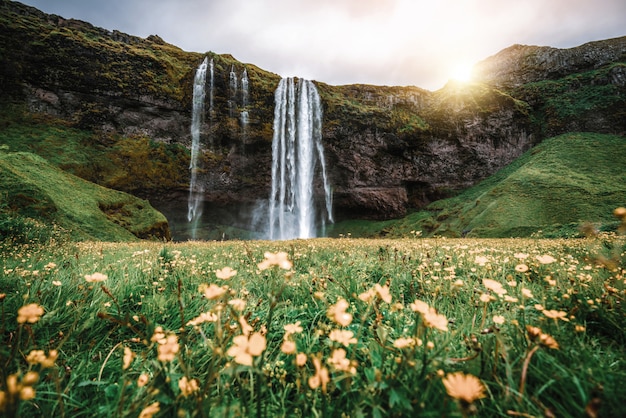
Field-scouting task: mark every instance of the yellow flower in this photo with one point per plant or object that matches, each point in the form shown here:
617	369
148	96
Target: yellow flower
342	337
545	259
150	410
187	387
244	348
288	347
406	342
225	273
521	268
337	313
96	277
556	315
142	380
279	259
383	292
494	286
39	357
293	328
300	359
339	361
536	334
367	295
435	320
486	298
56	283
321	377
30	313
168	348
419	306
498	319
214	291
129	356
237	304
464	387
481	260
527	293
202	318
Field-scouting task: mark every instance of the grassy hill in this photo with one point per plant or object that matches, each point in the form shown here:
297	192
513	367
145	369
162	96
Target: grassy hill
555	189
33	189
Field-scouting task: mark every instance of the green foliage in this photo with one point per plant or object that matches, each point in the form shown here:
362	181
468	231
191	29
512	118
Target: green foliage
32	188
166	327
552	190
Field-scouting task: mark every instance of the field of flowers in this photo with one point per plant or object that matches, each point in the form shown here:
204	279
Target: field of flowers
344	327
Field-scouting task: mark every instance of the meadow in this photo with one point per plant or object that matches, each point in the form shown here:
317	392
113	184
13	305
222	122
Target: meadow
321	327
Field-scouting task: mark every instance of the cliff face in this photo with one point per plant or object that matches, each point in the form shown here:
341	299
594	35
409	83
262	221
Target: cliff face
388	149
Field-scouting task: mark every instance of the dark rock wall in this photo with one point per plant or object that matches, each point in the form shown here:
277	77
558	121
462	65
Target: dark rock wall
388	149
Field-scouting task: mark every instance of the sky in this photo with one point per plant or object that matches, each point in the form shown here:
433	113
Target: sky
380	42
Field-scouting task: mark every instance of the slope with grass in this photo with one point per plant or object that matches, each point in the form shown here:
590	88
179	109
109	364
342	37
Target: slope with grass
32	188
556	188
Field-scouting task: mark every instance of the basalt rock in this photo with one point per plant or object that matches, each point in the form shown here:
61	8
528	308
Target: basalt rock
388	149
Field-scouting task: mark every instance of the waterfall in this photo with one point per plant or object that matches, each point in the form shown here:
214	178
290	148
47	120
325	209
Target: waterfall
232	86
244	88
296	150
196	190
244	104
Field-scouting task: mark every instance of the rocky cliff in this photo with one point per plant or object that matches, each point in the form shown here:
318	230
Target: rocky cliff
388	149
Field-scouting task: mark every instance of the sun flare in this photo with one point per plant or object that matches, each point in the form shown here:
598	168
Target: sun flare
462	72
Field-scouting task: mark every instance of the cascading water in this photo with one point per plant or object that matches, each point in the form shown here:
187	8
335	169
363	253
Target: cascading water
196	190
296	149
244	104
232	86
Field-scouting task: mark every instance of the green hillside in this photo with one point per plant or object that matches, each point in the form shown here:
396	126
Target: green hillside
560	185
33	189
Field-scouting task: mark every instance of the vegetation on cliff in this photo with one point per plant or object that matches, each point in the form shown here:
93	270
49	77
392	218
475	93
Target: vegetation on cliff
37	197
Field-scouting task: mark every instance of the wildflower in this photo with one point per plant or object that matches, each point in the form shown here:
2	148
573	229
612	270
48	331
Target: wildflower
225	273
620	212
337	313
481	260
214	291
406	342
556	315
437	321
431	318
520	256
320	378
511	299
536	334
187	387
244	348
129	356
30	313
339	361
521	268
545	259
527	293
367	295
383	292
419	306
494	286
579	328
158	335
539	307
342	336
498	319
49	266
293	328
300	359
486	298
56	283
96	277
288	347
246	329
142	380
168	348
202	318
279	259
150	410
237	304
464	387
39	357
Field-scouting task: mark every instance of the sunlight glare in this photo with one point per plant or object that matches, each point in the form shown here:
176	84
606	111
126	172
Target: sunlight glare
462	72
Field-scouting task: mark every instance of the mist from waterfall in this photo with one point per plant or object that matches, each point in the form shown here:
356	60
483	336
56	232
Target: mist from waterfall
232	88
296	150
196	189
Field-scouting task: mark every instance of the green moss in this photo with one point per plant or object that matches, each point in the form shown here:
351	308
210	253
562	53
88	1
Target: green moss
33	188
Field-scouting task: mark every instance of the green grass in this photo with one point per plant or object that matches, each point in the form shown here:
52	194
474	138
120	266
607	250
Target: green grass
33	188
93	326
552	190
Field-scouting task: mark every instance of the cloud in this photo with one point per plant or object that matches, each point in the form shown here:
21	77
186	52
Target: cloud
393	42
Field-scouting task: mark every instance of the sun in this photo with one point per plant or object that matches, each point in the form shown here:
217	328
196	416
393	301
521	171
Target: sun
462	72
